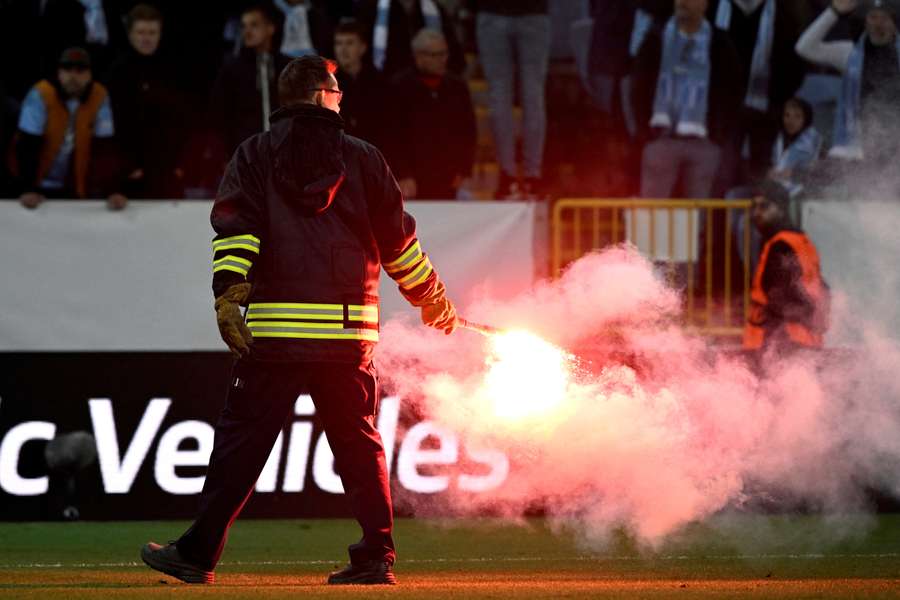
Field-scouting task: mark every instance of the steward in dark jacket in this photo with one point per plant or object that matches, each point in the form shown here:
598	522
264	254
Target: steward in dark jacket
305	218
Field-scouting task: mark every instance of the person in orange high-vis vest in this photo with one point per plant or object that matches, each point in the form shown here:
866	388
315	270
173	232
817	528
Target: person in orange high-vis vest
789	298
65	137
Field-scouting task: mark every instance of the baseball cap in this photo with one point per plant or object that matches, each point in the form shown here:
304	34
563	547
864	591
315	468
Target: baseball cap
75	57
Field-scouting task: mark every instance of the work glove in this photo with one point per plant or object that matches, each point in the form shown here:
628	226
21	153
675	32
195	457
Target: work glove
438	311
231	324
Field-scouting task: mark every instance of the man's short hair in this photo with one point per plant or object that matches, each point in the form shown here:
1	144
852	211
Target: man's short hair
142	12
353	27
300	78
264	9
424	37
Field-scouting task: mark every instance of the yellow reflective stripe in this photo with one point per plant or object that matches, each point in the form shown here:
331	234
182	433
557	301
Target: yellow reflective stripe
241	242
237	246
234	268
416	277
369	335
421	278
395	265
324	317
234	258
298	305
294	324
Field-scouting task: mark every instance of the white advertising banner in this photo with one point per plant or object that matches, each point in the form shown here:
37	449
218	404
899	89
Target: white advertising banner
77	277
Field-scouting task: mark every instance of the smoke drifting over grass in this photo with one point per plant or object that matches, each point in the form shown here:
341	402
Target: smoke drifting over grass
655	430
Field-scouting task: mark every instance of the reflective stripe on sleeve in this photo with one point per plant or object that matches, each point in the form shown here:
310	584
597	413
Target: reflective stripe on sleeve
417	276
237	242
406	260
232	263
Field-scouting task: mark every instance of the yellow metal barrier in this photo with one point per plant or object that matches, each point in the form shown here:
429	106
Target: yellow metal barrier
667	232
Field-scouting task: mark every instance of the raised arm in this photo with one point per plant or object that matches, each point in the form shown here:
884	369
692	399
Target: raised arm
812	45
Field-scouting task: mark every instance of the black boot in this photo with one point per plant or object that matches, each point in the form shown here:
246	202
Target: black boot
364	573
166	559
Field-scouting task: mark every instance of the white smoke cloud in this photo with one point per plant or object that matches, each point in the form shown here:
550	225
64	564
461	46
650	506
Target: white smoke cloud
657	430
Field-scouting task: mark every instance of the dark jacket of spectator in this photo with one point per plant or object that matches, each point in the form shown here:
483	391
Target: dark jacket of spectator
786	67
434	141
511	9
725	86
614	22
236	101
402	26
9	112
364	105
148	108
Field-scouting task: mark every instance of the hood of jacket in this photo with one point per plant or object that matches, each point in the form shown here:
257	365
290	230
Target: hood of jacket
307	143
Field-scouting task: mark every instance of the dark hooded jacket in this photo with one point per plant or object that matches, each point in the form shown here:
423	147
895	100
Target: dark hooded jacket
316	212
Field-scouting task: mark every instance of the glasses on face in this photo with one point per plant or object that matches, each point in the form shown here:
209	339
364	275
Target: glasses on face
340	94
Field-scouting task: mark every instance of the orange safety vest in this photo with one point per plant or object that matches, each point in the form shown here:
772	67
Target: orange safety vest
58	123
803	334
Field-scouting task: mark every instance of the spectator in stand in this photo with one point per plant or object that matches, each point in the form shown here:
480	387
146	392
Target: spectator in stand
246	92
364	103
763	32
393	23
514	39
794	154
687	95
36	33
308	28
148	108
797	147
870	95
65	146
104	34
433	147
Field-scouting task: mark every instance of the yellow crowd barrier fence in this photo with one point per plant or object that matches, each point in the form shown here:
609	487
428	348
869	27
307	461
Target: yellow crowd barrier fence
697	244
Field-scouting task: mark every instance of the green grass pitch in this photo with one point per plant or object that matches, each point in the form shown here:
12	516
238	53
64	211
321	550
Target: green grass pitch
727	557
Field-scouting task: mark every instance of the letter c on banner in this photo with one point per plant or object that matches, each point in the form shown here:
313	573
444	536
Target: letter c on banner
10	480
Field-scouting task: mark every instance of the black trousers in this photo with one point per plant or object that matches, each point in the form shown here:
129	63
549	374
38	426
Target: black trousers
260	398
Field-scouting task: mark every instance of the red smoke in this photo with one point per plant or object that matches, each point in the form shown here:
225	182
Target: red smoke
655	429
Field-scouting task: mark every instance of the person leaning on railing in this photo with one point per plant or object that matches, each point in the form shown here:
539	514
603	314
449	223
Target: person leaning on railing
65	145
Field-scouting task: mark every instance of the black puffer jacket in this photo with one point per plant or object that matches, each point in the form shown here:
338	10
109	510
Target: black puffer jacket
316	212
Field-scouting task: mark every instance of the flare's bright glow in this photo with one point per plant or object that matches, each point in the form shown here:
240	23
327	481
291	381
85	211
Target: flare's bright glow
527	376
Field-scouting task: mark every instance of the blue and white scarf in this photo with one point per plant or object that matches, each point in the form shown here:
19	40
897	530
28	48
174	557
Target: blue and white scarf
382	20
847	128
799	156
682	91
761	68
296	41
95	22
643	21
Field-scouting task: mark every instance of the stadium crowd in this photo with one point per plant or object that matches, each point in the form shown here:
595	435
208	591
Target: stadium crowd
660	98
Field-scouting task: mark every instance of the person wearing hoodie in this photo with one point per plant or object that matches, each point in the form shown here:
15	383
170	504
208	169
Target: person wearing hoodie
148	110
305	218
